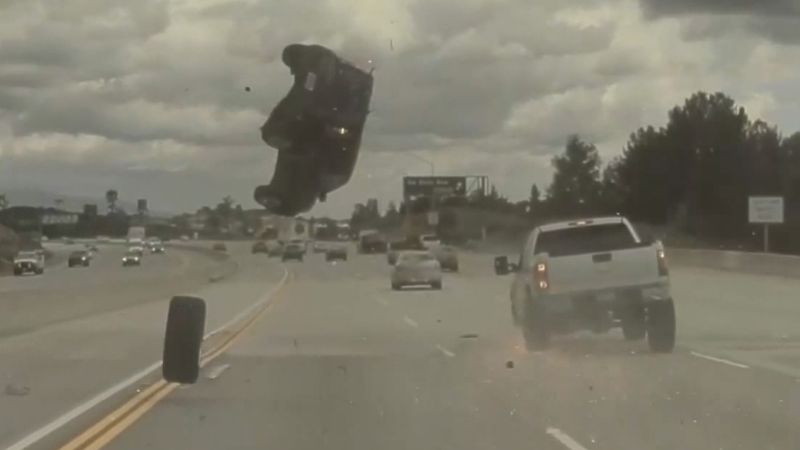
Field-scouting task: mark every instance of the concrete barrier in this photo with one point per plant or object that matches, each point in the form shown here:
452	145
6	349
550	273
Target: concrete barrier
745	262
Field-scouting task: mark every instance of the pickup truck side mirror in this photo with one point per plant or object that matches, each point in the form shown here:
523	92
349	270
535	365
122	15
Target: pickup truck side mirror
503	267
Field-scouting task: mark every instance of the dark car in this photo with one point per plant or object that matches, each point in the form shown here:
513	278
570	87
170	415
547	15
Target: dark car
316	129
293	251
219	247
132	258
334	253
259	247
78	259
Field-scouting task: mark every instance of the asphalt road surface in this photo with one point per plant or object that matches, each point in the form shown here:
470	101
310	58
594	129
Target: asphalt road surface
339	361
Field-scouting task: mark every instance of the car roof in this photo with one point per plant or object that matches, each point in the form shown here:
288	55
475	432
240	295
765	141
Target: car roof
591	221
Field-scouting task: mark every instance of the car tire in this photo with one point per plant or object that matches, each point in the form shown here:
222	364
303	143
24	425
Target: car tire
396	286
661	326
535	328
455	268
17	273
39	271
436	285
634	325
183	339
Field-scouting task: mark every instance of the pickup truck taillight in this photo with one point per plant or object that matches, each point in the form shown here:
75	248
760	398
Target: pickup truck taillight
541	278
663	270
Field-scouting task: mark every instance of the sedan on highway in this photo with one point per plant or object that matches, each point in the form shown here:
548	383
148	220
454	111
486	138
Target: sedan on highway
293	251
79	258
132	258
259	247
447	255
416	268
336	252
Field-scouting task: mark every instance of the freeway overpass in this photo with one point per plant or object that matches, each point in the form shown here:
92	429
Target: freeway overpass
322	355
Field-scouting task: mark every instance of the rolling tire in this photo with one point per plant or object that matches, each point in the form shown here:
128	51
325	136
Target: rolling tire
534	328
436	285
661	326
183	338
634	325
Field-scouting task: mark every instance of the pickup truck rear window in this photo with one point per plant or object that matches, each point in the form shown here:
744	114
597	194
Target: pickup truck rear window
585	239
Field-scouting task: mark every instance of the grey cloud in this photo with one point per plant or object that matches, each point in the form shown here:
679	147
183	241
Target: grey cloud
659	8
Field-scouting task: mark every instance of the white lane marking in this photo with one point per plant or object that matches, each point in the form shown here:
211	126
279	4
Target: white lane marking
411	322
720	360
42	432
382	301
216	371
565	439
445	351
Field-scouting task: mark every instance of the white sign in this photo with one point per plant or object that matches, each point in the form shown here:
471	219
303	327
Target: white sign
433	218
765	209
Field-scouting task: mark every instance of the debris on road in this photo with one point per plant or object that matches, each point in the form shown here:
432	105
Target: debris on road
509	364
469	336
17	390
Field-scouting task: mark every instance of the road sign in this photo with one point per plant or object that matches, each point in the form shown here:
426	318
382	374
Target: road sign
59	219
440	187
766	210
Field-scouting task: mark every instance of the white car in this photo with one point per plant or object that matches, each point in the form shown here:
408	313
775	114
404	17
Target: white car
29	262
415	268
132	259
430	241
591	274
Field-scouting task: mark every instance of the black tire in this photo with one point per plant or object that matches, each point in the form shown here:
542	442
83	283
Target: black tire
183	338
396	286
535	328
661	326
69	264
17	273
39	271
437	286
634	324
455	268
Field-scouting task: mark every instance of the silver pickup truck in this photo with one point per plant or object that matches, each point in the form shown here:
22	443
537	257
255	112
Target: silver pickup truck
29	262
591	274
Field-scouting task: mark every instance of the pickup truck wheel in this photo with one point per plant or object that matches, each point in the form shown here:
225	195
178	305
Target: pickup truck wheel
396	286
634	326
661	326
534	328
436	285
183	338
17	272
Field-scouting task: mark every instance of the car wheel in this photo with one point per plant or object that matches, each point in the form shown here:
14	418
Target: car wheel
183	338
634	326
39	271
436	285
396	286
661	326
535	328
17	272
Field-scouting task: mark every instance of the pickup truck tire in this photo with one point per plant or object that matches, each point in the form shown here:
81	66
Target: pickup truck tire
183	338
436	285
634	324
396	286
535	329
661	326
17	272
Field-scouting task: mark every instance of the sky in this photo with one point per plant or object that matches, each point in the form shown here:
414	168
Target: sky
149	98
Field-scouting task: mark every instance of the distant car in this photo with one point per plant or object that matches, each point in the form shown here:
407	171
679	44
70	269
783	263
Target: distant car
29	262
67	241
91	248
320	247
447	256
139	250
157	248
430	241
395	247
79	258
293	251
259	247
371	241
337	252
132	258
219	247
415	268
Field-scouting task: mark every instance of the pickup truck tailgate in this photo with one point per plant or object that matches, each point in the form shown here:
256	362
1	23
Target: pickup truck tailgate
595	271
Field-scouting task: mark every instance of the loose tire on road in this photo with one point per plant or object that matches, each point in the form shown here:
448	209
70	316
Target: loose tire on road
661	326
183	338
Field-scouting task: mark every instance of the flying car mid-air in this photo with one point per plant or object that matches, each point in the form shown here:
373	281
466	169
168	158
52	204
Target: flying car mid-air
316	129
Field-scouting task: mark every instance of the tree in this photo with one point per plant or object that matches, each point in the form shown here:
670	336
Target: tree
111	198
392	215
575	187
3	201
535	201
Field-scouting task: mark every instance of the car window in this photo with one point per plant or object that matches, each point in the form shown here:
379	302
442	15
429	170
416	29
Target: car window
585	239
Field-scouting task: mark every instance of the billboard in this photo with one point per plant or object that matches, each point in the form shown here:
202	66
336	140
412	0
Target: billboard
438	187
765	210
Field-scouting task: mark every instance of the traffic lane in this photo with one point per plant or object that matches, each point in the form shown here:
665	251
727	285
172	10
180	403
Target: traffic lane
105	267
402	373
104	286
743	317
66	364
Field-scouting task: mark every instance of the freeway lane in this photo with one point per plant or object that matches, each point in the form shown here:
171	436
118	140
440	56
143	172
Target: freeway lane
50	369
342	362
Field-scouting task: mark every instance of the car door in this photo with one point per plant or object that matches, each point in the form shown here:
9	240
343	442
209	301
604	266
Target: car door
519	284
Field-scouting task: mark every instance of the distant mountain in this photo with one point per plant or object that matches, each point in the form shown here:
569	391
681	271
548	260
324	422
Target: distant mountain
36	197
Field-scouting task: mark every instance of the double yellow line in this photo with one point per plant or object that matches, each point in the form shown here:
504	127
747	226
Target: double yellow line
112	425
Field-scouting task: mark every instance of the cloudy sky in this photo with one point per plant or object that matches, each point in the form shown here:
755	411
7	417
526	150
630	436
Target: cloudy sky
149	96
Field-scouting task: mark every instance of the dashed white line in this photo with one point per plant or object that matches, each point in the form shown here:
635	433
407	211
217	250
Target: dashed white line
564	439
445	351
720	360
411	322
